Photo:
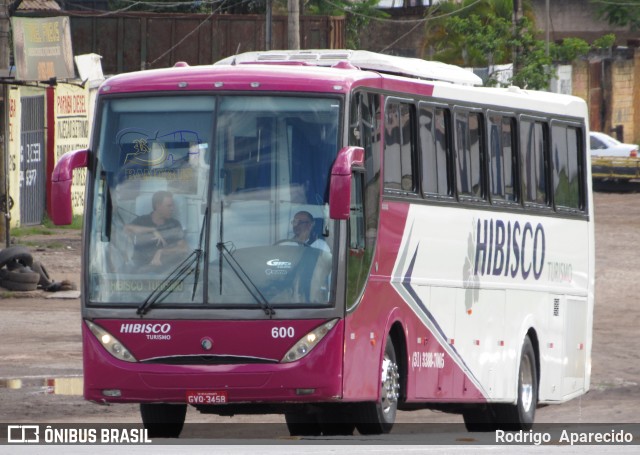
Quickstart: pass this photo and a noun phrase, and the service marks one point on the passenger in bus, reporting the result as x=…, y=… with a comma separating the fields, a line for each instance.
x=158, y=236
x=303, y=232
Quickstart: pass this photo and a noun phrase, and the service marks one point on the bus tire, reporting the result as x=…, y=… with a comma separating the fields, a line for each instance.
x=520, y=416
x=379, y=417
x=479, y=418
x=163, y=420
x=302, y=423
x=337, y=420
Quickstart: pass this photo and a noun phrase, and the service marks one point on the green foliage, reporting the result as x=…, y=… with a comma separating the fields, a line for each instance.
x=358, y=15
x=605, y=41
x=626, y=13
x=482, y=34
x=76, y=223
x=46, y=228
x=569, y=50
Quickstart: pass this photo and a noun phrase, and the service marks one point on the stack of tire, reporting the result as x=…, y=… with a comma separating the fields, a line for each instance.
x=19, y=272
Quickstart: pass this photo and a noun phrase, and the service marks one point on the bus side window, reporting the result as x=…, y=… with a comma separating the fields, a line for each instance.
x=533, y=150
x=399, y=147
x=468, y=147
x=365, y=131
x=434, y=145
x=566, y=155
x=502, y=159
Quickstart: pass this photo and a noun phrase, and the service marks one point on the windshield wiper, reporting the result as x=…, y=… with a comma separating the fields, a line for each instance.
x=246, y=280
x=172, y=280
x=178, y=274
x=199, y=253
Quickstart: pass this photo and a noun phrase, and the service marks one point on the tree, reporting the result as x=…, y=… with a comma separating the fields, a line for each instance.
x=481, y=33
x=358, y=15
x=626, y=13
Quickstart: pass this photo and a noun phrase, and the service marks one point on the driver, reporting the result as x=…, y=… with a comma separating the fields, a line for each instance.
x=302, y=225
x=159, y=236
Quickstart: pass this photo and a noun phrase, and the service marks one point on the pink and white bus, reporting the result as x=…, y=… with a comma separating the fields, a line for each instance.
x=335, y=236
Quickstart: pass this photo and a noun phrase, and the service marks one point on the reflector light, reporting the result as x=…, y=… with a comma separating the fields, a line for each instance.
x=305, y=391
x=112, y=393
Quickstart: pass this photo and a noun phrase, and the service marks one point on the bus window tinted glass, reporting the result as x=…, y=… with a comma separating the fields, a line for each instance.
x=565, y=157
x=501, y=169
x=398, y=149
x=435, y=150
x=533, y=145
x=468, y=139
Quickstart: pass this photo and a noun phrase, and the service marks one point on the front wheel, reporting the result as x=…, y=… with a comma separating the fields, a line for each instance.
x=379, y=417
x=163, y=420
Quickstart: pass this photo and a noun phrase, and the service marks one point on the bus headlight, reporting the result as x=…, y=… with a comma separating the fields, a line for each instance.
x=306, y=344
x=110, y=343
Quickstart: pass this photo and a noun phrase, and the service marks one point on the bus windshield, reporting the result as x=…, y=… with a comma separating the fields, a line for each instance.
x=212, y=201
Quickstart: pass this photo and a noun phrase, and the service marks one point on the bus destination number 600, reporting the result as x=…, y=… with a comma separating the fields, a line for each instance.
x=282, y=332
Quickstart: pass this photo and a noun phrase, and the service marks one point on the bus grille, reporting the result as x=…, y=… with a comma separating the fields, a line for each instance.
x=207, y=360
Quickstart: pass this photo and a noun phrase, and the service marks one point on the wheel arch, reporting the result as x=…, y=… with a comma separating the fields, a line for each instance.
x=533, y=337
x=397, y=335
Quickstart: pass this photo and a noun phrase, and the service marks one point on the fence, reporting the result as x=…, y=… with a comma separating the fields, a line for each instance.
x=134, y=41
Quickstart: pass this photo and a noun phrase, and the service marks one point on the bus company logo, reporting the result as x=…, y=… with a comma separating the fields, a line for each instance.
x=145, y=328
x=277, y=263
x=509, y=249
x=277, y=267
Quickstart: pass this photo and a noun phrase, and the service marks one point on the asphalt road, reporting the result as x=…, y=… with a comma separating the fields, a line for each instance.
x=41, y=365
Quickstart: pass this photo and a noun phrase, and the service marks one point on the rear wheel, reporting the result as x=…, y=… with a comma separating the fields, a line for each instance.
x=377, y=418
x=520, y=416
x=163, y=420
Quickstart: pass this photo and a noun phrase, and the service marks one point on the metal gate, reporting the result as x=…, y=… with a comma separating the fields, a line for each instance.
x=32, y=161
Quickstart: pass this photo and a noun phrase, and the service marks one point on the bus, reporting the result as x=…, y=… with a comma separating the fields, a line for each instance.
x=334, y=236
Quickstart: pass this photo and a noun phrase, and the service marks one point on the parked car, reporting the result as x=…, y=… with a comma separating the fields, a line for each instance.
x=604, y=145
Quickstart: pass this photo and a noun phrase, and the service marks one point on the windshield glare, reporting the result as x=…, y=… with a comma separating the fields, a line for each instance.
x=214, y=200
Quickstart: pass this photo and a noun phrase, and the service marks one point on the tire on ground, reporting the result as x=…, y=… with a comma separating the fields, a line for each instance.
x=18, y=253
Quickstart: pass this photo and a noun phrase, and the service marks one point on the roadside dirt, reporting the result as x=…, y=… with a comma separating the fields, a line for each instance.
x=41, y=337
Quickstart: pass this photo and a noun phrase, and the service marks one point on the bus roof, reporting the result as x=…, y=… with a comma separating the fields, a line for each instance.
x=337, y=71
x=314, y=70
x=365, y=60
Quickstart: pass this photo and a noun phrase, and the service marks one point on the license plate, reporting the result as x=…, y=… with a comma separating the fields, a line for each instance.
x=199, y=397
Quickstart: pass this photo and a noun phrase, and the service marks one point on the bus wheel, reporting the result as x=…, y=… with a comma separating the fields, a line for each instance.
x=301, y=423
x=479, y=418
x=377, y=418
x=337, y=421
x=519, y=416
x=163, y=420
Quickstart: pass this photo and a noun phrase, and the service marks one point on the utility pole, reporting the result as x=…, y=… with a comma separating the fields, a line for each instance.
x=5, y=53
x=268, y=25
x=517, y=15
x=293, y=24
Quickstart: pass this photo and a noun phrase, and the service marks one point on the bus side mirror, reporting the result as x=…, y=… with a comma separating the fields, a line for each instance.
x=61, y=179
x=348, y=159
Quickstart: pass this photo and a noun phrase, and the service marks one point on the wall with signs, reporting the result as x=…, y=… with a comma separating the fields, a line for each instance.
x=72, y=128
x=72, y=113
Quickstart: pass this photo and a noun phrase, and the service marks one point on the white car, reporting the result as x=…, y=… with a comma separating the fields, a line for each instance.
x=604, y=145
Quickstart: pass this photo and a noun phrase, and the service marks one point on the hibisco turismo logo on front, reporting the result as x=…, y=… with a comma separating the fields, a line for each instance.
x=152, y=331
